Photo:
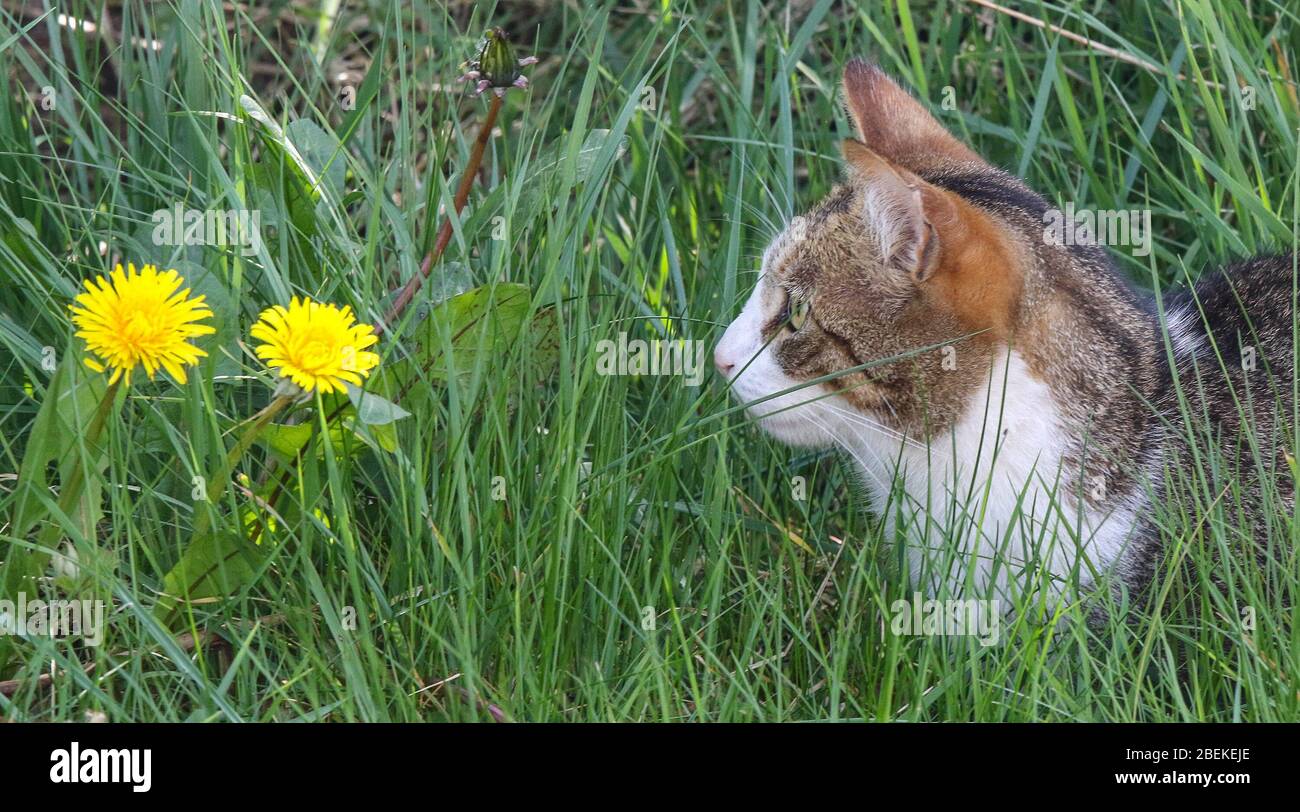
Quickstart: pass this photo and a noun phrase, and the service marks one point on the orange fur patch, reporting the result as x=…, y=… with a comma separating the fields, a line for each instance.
x=979, y=279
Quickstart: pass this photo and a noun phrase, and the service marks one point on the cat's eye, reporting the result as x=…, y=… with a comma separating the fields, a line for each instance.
x=799, y=312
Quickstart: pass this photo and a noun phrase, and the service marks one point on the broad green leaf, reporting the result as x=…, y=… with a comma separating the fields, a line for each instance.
x=472, y=331
x=287, y=441
x=214, y=565
x=67, y=409
x=272, y=133
x=306, y=163
x=543, y=339
x=372, y=409
x=539, y=188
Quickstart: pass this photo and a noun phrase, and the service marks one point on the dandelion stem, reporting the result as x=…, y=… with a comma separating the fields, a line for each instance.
x=412, y=286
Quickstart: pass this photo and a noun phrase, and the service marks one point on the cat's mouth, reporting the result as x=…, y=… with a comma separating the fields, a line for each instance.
x=811, y=415
x=793, y=428
x=800, y=417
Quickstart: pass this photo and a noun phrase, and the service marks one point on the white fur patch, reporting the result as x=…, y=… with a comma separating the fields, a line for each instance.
x=993, y=490
x=1183, y=336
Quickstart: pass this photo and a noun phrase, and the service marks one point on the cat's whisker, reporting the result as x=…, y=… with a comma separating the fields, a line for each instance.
x=861, y=419
x=885, y=399
x=852, y=451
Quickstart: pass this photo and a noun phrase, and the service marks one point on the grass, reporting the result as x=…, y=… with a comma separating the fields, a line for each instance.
x=650, y=559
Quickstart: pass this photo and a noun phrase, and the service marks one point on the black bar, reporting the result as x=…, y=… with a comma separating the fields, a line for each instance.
x=302, y=761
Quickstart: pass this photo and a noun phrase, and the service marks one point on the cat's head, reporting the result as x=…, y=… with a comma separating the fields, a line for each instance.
x=892, y=264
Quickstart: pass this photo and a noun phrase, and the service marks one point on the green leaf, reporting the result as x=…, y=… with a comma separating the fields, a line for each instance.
x=472, y=328
x=275, y=135
x=313, y=185
x=481, y=324
x=470, y=332
x=543, y=339
x=224, y=354
x=214, y=565
x=545, y=171
x=68, y=407
x=322, y=155
x=372, y=409
x=287, y=441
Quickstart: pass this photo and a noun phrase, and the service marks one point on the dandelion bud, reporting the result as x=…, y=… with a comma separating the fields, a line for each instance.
x=494, y=64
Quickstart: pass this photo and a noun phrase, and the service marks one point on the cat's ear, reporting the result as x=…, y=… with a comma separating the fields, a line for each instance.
x=906, y=214
x=895, y=125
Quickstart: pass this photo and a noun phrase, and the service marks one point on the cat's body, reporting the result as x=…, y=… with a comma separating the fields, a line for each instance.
x=1029, y=411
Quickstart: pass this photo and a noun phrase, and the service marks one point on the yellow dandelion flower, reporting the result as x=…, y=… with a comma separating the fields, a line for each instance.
x=316, y=346
x=139, y=318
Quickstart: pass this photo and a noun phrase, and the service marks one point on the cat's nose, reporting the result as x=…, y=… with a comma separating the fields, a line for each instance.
x=722, y=362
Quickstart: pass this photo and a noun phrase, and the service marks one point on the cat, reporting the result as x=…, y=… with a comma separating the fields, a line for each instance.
x=1012, y=404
